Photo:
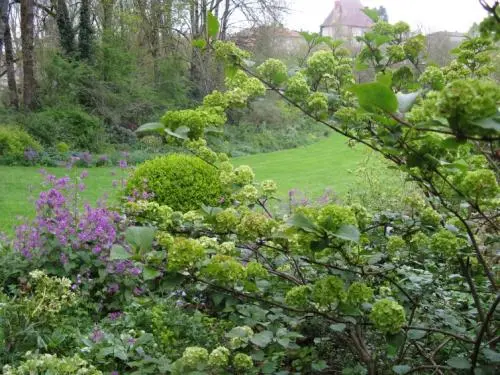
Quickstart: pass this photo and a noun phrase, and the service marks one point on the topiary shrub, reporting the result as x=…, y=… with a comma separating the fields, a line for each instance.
x=180, y=181
x=14, y=143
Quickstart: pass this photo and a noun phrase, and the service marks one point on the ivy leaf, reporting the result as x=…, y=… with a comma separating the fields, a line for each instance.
x=401, y=369
x=459, y=362
x=374, y=96
x=262, y=339
x=151, y=127
x=140, y=237
x=181, y=132
x=348, y=232
x=213, y=25
x=372, y=14
x=119, y=253
x=150, y=273
x=199, y=43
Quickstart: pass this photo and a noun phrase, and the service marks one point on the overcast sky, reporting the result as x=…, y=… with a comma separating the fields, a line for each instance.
x=432, y=15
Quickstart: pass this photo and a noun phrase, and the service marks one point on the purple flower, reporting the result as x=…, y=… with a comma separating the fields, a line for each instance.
x=123, y=164
x=30, y=154
x=135, y=271
x=115, y=315
x=113, y=288
x=97, y=335
x=131, y=341
x=87, y=158
x=115, y=373
x=138, y=291
x=64, y=259
x=84, y=174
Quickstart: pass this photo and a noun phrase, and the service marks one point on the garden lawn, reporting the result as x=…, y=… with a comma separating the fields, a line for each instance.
x=20, y=185
x=312, y=169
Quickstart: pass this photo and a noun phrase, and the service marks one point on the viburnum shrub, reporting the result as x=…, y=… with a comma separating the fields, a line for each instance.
x=411, y=291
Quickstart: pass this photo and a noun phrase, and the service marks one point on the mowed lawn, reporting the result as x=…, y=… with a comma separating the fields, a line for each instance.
x=327, y=164
x=312, y=169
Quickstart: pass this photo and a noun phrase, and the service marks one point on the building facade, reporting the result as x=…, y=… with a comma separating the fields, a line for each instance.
x=346, y=20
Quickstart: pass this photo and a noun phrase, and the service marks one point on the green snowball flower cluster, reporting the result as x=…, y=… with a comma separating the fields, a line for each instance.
x=197, y=120
x=243, y=175
x=333, y=216
x=184, y=254
x=358, y=293
x=430, y=217
x=242, y=362
x=219, y=357
x=328, y=291
x=273, y=71
x=413, y=47
x=256, y=270
x=51, y=364
x=227, y=220
x=395, y=244
x=247, y=194
x=433, y=76
x=150, y=212
x=269, y=187
x=240, y=336
x=229, y=53
x=396, y=53
x=445, y=243
x=317, y=105
x=225, y=269
x=388, y=316
x=255, y=225
x=298, y=296
x=480, y=184
x=194, y=356
x=297, y=88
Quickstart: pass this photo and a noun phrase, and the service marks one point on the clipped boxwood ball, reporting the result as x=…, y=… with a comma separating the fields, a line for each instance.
x=180, y=181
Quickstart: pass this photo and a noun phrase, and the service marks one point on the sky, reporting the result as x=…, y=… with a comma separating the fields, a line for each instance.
x=427, y=15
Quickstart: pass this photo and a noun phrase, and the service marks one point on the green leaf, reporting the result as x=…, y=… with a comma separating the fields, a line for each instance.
x=119, y=253
x=372, y=13
x=152, y=127
x=150, y=273
x=262, y=339
x=491, y=355
x=213, y=25
x=199, y=43
x=459, y=363
x=339, y=327
x=490, y=123
x=406, y=101
x=374, y=96
x=180, y=132
x=415, y=334
x=385, y=78
x=319, y=365
x=302, y=222
x=401, y=369
x=348, y=232
x=140, y=237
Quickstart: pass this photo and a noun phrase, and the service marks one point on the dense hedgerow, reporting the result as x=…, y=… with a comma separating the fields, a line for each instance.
x=15, y=144
x=182, y=182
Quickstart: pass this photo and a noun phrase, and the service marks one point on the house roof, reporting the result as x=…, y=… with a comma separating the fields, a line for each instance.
x=348, y=13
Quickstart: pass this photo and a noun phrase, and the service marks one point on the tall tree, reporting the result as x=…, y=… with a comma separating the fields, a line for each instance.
x=85, y=32
x=27, y=42
x=65, y=27
x=11, y=71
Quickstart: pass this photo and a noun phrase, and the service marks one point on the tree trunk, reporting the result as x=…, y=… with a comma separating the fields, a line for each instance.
x=27, y=42
x=85, y=34
x=4, y=21
x=11, y=71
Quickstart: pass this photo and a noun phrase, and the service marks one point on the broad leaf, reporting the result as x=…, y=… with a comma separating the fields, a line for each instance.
x=385, y=78
x=459, y=363
x=150, y=273
x=372, y=13
x=415, y=334
x=262, y=339
x=374, y=96
x=302, y=222
x=213, y=25
x=339, y=327
x=181, y=132
x=119, y=253
x=348, y=232
x=140, y=237
x=491, y=355
x=199, y=43
x=152, y=127
x=406, y=101
x=401, y=369
x=490, y=123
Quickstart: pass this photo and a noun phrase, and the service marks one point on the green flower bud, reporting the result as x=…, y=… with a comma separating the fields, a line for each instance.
x=388, y=316
x=242, y=362
x=328, y=291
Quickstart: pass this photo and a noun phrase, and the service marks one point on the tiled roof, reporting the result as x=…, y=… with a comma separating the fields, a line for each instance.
x=348, y=13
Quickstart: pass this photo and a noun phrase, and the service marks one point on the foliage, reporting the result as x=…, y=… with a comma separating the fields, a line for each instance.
x=180, y=181
x=17, y=146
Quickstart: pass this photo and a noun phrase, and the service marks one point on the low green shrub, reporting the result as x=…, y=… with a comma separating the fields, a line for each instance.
x=77, y=128
x=14, y=143
x=180, y=181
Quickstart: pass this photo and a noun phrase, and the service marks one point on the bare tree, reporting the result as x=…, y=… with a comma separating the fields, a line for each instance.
x=27, y=42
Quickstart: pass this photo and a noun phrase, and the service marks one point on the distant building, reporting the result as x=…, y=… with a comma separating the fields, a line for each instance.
x=440, y=43
x=346, y=20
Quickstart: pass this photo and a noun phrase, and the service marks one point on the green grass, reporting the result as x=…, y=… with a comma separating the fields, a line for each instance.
x=311, y=169
x=20, y=186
